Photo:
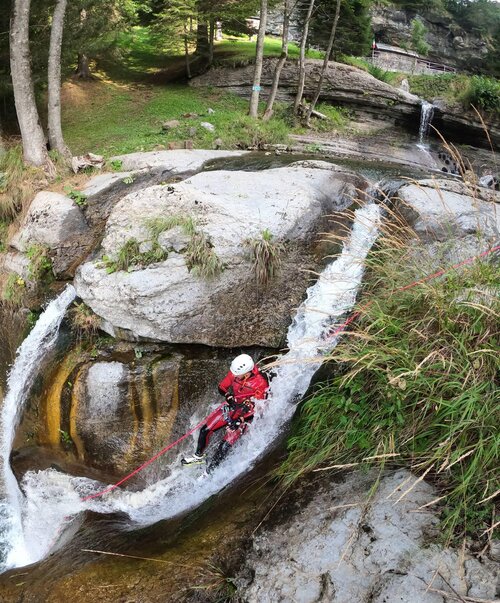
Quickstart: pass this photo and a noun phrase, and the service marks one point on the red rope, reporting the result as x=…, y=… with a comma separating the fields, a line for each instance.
x=152, y=459
x=429, y=277
x=339, y=329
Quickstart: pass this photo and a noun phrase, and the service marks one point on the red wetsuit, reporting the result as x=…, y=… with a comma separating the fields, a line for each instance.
x=254, y=386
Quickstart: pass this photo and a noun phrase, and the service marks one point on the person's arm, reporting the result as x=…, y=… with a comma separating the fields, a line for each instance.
x=225, y=384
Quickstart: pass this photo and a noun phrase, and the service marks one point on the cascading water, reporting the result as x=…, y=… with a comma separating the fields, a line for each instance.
x=426, y=115
x=52, y=498
x=29, y=357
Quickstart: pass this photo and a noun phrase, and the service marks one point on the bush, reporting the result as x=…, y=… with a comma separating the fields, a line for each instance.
x=483, y=93
x=419, y=384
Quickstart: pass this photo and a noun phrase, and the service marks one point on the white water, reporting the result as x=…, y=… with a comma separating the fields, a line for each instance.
x=426, y=115
x=29, y=357
x=52, y=498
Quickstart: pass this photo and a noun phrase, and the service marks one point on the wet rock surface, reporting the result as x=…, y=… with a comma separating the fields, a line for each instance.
x=347, y=545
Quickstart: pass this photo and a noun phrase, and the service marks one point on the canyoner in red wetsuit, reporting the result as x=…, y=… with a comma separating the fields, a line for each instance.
x=243, y=384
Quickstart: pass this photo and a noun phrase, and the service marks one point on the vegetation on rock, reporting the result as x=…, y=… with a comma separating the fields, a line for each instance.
x=417, y=384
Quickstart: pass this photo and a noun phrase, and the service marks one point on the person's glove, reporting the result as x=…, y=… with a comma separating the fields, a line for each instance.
x=229, y=398
x=248, y=405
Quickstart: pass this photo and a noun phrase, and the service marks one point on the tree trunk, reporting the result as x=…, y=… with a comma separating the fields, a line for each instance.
x=211, y=38
x=56, y=140
x=325, y=63
x=186, y=52
x=302, y=58
x=259, y=56
x=281, y=61
x=33, y=138
x=83, y=69
x=202, y=41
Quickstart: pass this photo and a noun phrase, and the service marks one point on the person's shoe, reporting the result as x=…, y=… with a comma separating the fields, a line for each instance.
x=196, y=459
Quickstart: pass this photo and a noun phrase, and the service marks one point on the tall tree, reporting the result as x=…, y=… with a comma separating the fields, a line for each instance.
x=259, y=57
x=302, y=58
x=56, y=139
x=287, y=9
x=353, y=35
x=34, y=148
x=324, y=67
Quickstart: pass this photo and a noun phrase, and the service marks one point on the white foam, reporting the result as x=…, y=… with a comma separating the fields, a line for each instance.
x=29, y=356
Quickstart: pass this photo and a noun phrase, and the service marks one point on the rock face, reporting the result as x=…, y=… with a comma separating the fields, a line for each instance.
x=104, y=416
x=440, y=209
x=449, y=43
x=345, y=546
x=344, y=85
x=364, y=95
x=166, y=301
x=51, y=219
x=55, y=222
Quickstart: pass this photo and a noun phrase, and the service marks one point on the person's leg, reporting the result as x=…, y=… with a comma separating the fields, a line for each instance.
x=215, y=421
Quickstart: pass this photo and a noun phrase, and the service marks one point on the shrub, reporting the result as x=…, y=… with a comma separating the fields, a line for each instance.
x=483, y=93
x=78, y=197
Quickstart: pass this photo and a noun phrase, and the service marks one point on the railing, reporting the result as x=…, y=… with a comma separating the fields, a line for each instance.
x=419, y=65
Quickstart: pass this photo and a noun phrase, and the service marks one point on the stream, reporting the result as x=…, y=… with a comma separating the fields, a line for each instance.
x=34, y=519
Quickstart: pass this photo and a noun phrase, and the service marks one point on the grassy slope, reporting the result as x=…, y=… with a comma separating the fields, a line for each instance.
x=418, y=384
x=122, y=110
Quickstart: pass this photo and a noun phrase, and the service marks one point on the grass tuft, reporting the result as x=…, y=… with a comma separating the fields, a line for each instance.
x=201, y=258
x=266, y=257
x=84, y=322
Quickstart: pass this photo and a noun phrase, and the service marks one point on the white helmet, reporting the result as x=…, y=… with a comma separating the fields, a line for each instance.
x=241, y=364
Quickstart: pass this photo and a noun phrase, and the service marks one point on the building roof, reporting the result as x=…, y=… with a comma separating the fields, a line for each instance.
x=395, y=49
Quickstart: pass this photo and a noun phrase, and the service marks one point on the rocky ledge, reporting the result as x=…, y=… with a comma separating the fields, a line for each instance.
x=349, y=544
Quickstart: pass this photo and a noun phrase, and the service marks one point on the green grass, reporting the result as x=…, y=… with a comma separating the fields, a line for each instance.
x=123, y=121
x=419, y=379
x=3, y=235
x=449, y=86
x=241, y=49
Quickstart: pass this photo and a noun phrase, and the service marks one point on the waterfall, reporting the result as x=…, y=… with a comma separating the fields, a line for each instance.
x=52, y=498
x=426, y=116
x=21, y=377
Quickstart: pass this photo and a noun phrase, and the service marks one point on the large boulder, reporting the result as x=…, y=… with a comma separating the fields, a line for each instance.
x=168, y=302
x=439, y=209
x=51, y=220
x=56, y=223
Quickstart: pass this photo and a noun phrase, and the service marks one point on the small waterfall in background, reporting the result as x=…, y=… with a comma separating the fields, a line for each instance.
x=29, y=356
x=426, y=115
x=53, y=498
